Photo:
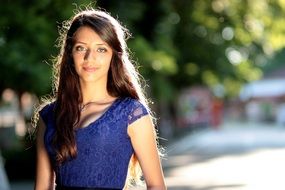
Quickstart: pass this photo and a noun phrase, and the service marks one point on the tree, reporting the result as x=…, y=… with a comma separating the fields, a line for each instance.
x=28, y=35
x=176, y=43
x=227, y=42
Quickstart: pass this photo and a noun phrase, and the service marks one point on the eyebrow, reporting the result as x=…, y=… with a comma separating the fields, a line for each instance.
x=86, y=43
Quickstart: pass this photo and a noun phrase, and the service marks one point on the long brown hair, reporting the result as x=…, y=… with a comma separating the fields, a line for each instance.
x=123, y=80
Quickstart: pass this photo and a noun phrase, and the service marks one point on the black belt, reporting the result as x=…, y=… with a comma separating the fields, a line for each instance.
x=58, y=187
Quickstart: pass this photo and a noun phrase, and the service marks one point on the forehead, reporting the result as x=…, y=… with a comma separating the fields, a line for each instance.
x=86, y=34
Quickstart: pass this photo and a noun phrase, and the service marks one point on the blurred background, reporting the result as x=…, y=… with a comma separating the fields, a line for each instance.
x=214, y=70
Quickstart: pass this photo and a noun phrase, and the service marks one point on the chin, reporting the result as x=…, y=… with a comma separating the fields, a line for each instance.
x=93, y=79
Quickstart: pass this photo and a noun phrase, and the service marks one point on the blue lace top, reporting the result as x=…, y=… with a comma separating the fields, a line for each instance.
x=104, y=148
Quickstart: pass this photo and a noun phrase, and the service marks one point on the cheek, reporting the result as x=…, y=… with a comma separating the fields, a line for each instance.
x=76, y=65
x=104, y=60
x=109, y=62
x=76, y=58
x=77, y=68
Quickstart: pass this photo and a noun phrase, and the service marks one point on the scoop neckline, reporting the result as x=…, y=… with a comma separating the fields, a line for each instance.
x=101, y=117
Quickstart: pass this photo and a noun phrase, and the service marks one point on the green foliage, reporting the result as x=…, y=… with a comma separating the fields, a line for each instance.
x=226, y=41
x=28, y=32
x=176, y=43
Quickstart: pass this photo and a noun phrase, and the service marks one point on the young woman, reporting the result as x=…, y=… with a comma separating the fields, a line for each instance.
x=99, y=127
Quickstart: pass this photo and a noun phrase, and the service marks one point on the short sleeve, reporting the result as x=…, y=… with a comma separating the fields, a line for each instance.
x=46, y=112
x=138, y=110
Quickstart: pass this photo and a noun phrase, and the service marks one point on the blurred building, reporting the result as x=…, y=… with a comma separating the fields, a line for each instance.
x=265, y=100
x=198, y=107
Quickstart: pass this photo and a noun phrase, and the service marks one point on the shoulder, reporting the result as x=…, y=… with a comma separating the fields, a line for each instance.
x=48, y=107
x=132, y=102
x=135, y=109
x=46, y=111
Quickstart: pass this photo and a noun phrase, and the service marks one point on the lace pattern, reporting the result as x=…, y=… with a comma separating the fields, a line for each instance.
x=104, y=147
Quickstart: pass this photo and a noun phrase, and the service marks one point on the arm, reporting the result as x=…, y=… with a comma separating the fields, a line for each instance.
x=143, y=139
x=44, y=172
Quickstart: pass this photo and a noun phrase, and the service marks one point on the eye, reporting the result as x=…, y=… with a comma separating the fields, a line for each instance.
x=80, y=48
x=101, y=50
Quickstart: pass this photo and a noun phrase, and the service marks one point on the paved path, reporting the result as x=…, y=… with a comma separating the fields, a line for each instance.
x=239, y=156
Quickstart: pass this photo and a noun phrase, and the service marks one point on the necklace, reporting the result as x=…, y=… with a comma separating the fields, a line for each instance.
x=84, y=106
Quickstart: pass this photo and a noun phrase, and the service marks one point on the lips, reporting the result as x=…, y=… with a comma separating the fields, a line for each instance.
x=90, y=69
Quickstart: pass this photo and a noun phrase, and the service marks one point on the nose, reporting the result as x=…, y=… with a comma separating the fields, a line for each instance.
x=89, y=55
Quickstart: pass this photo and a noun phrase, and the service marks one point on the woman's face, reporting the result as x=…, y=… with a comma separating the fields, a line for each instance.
x=91, y=55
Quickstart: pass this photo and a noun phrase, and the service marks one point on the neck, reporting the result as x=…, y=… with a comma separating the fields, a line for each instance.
x=94, y=93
